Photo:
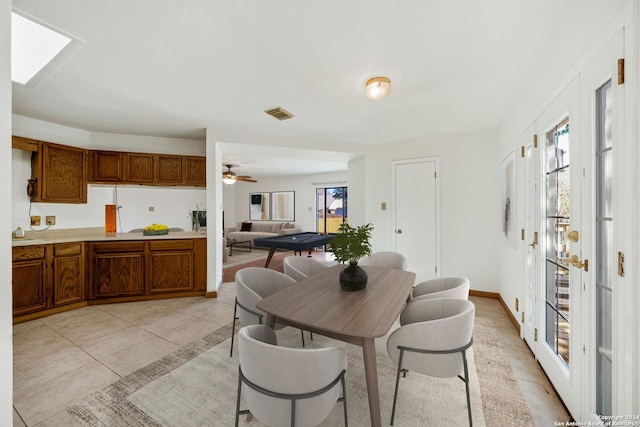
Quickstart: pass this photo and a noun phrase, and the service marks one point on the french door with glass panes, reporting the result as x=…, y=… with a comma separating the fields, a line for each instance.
x=571, y=284
x=559, y=307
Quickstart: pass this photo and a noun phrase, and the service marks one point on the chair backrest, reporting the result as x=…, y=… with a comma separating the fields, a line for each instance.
x=254, y=284
x=433, y=324
x=444, y=287
x=287, y=371
x=299, y=267
x=385, y=259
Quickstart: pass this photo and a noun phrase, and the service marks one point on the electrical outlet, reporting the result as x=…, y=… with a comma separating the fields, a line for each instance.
x=35, y=220
x=50, y=220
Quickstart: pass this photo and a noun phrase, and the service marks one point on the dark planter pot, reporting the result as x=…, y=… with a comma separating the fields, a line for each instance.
x=353, y=278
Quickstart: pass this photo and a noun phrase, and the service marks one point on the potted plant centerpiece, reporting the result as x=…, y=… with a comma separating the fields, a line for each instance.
x=351, y=244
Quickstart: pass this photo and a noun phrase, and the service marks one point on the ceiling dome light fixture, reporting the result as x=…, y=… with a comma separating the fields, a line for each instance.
x=378, y=87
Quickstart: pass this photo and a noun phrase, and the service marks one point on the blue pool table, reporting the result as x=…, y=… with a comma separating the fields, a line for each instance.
x=296, y=242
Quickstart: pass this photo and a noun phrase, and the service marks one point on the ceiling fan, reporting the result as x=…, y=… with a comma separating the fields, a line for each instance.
x=229, y=177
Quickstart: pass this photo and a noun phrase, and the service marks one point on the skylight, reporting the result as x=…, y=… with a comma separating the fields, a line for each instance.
x=33, y=46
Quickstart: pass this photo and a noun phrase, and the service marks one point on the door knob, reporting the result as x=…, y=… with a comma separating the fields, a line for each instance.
x=399, y=231
x=573, y=236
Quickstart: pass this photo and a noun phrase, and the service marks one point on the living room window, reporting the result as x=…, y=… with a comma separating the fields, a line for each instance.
x=331, y=208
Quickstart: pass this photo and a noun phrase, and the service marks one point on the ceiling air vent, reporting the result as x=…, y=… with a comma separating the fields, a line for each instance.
x=279, y=113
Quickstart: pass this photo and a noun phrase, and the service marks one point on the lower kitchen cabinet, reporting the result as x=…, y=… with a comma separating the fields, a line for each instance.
x=68, y=273
x=146, y=267
x=117, y=269
x=29, y=280
x=47, y=276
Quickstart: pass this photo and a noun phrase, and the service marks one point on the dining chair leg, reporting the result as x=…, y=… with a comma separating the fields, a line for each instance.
x=395, y=393
x=233, y=328
x=466, y=383
x=344, y=402
x=238, y=399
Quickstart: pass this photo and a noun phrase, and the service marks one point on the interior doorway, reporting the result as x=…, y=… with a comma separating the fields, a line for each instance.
x=415, y=215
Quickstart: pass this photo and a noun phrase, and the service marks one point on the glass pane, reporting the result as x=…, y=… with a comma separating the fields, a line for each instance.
x=558, y=211
x=552, y=194
x=604, y=261
x=605, y=264
x=562, y=283
x=564, y=208
x=551, y=322
x=320, y=210
x=563, y=339
x=551, y=288
x=605, y=171
x=562, y=143
x=550, y=154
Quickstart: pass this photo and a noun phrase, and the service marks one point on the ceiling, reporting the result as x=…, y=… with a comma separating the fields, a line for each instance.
x=174, y=69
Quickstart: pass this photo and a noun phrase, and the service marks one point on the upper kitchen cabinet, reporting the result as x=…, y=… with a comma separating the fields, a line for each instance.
x=58, y=174
x=195, y=171
x=138, y=168
x=105, y=166
x=168, y=169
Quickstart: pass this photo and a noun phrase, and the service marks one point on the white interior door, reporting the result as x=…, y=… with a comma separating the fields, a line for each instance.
x=603, y=104
x=531, y=238
x=560, y=341
x=416, y=215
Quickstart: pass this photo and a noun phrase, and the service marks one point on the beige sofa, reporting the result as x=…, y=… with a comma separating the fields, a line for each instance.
x=260, y=229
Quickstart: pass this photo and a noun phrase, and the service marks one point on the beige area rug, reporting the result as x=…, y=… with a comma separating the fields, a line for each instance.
x=197, y=385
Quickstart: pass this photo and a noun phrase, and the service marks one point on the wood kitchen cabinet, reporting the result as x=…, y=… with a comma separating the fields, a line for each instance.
x=168, y=169
x=138, y=269
x=29, y=279
x=105, y=166
x=59, y=174
x=195, y=171
x=138, y=168
x=170, y=265
x=116, y=269
x=68, y=273
x=47, y=276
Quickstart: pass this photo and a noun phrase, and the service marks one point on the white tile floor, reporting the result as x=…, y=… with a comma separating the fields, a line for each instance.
x=62, y=358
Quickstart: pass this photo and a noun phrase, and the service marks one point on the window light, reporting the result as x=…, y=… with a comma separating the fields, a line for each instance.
x=33, y=46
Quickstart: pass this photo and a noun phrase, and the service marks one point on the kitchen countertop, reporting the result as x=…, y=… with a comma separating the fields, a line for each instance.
x=95, y=234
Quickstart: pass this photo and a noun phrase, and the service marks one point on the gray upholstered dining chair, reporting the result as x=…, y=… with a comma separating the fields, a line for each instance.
x=252, y=285
x=443, y=287
x=385, y=259
x=299, y=267
x=432, y=340
x=284, y=386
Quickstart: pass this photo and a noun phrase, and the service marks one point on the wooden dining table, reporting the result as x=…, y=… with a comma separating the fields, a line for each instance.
x=318, y=304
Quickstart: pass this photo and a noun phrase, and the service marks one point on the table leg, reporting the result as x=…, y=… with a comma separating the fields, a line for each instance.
x=271, y=252
x=371, y=374
x=271, y=321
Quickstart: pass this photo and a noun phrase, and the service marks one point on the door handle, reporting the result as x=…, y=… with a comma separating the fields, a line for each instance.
x=575, y=261
x=399, y=231
x=535, y=240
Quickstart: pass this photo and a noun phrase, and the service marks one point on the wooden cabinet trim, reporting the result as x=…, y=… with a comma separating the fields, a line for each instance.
x=27, y=252
x=26, y=144
x=128, y=246
x=170, y=245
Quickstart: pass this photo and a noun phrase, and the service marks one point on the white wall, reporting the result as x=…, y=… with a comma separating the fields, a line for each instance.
x=469, y=202
x=6, y=329
x=170, y=204
x=305, y=196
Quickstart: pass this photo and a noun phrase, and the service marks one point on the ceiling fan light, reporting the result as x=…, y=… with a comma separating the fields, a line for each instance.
x=378, y=87
x=229, y=179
